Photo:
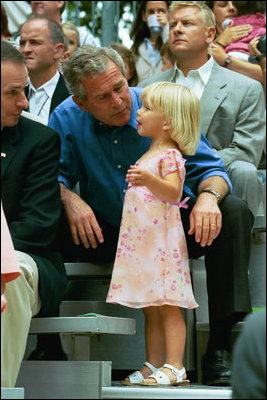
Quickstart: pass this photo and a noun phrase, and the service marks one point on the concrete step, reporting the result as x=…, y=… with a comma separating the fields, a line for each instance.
x=64, y=379
x=12, y=393
x=194, y=391
x=97, y=324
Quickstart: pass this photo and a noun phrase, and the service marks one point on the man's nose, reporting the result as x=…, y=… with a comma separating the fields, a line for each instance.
x=178, y=26
x=23, y=101
x=25, y=47
x=116, y=99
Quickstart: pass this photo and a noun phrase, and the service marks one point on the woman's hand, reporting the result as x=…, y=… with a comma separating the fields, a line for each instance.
x=218, y=53
x=162, y=19
x=233, y=33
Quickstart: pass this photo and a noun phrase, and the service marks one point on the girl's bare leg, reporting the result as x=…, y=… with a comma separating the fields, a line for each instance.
x=174, y=329
x=154, y=340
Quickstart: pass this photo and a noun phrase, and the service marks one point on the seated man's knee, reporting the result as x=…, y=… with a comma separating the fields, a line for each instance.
x=234, y=207
x=243, y=172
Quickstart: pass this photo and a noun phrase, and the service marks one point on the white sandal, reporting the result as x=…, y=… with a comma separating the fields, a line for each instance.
x=136, y=377
x=163, y=380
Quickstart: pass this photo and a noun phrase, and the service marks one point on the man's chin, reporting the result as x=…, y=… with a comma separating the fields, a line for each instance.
x=120, y=120
x=11, y=122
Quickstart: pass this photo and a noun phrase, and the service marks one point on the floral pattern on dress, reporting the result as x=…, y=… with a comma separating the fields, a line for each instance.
x=151, y=266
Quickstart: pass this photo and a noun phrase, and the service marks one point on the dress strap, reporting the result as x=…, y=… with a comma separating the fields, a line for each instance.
x=183, y=204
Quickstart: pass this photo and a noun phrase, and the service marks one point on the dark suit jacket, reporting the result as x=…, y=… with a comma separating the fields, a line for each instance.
x=60, y=94
x=31, y=202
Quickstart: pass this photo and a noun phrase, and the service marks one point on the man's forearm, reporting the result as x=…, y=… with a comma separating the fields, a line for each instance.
x=215, y=183
x=64, y=193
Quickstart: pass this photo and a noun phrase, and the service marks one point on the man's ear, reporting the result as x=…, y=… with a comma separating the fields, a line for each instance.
x=58, y=51
x=210, y=34
x=80, y=103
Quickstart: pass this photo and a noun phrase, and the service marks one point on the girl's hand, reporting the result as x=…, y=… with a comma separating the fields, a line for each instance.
x=233, y=33
x=137, y=177
x=162, y=19
x=252, y=47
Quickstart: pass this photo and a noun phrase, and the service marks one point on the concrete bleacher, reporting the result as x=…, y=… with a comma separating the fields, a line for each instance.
x=12, y=393
x=79, y=377
x=98, y=344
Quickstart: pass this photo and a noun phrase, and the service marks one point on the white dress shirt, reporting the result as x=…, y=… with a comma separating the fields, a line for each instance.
x=40, y=99
x=197, y=79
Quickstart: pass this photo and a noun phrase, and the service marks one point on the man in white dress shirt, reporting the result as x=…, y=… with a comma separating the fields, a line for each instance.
x=41, y=41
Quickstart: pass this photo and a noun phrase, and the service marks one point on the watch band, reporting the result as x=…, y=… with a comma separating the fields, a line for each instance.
x=214, y=193
x=227, y=61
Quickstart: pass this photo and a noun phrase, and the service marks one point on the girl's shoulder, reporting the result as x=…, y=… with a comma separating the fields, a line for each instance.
x=167, y=153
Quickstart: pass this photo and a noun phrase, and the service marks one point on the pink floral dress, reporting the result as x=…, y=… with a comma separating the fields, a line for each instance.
x=151, y=266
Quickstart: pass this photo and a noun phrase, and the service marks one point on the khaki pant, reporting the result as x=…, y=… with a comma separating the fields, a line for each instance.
x=23, y=303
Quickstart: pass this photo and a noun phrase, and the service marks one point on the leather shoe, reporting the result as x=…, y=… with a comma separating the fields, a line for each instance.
x=216, y=368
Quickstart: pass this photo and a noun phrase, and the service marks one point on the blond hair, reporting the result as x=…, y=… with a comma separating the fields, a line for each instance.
x=68, y=26
x=181, y=107
x=205, y=12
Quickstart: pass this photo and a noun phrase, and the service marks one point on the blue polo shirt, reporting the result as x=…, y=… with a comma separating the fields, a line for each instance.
x=98, y=157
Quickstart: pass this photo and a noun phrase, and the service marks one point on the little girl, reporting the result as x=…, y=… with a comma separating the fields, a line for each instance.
x=151, y=269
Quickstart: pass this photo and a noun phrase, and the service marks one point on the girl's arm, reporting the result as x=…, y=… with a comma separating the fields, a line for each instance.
x=166, y=189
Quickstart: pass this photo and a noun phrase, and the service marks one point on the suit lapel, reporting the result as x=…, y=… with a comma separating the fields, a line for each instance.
x=213, y=95
x=59, y=95
x=26, y=91
x=9, y=137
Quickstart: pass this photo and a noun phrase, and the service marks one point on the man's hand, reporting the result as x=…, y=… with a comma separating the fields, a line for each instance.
x=82, y=222
x=205, y=219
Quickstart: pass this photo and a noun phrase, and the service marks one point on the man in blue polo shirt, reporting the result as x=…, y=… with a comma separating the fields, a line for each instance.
x=99, y=142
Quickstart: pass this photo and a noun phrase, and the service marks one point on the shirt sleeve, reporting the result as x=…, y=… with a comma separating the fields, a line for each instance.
x=171, y=161
x=204, y=164
x=68, y=171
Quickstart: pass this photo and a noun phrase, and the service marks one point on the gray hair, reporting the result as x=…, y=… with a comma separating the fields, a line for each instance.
x=11, y=54
x=87, y=61
x=206, y=14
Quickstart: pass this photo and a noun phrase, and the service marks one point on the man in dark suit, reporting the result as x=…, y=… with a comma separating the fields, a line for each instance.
x=30, y=195
x=41, y=41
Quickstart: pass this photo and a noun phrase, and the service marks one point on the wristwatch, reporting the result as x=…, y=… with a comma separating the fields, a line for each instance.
x=227, y=61
x=214, y=193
